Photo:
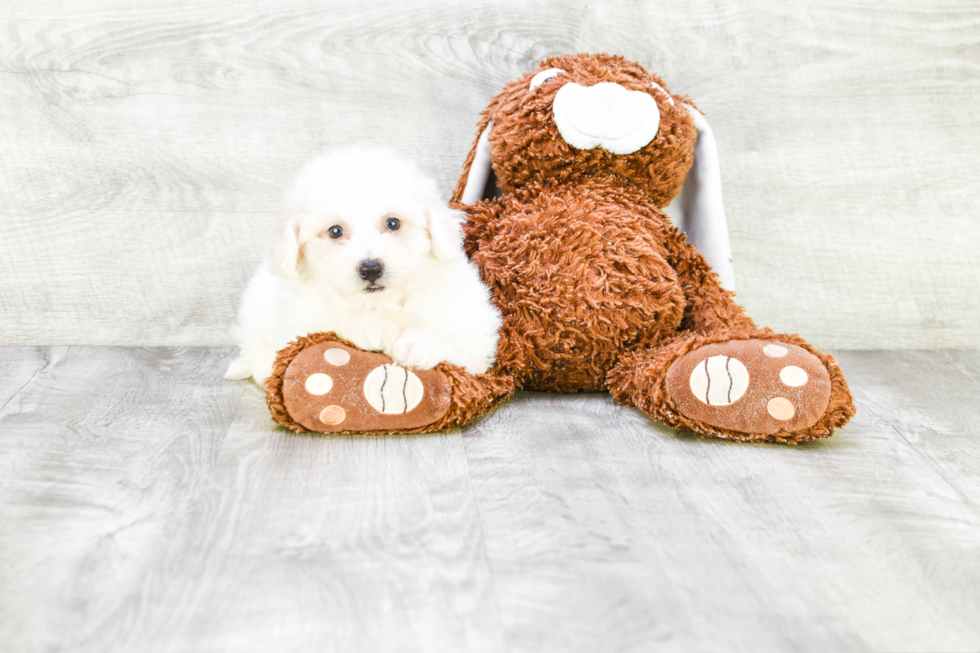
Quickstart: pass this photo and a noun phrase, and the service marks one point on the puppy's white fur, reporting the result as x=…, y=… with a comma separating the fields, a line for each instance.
x=433, y=306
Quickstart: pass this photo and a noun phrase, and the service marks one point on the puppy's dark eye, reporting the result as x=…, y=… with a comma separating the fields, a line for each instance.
x=392, y=224
x=335, y=231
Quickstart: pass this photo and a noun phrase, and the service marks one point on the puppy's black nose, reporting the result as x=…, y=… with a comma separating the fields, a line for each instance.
x=371, y=270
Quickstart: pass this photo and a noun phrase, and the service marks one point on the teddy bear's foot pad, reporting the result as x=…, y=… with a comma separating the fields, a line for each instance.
x=750, y=386
x=330, y=387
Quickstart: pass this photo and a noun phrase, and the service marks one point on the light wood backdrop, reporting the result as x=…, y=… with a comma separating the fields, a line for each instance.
x=144, y=145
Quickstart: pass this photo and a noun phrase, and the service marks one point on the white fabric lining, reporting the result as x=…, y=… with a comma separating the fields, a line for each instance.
x=661, y=89
x=476, y=182
x=698, y=210
x=544, y=76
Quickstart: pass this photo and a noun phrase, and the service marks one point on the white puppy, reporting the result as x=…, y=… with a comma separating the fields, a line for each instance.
x=366, y=248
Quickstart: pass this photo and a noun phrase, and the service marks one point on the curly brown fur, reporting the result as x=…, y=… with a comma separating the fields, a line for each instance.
x=470, y=395
x=597, y=287
x=581, y=275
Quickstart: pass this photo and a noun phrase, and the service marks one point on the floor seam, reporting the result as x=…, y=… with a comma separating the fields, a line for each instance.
x=21, y=389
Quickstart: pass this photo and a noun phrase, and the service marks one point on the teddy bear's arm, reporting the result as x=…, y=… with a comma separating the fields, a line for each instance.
x=710, y=308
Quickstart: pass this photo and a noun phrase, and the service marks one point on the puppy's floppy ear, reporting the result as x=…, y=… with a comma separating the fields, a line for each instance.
x=445, y=231
x=698, y=210
x=284, y=253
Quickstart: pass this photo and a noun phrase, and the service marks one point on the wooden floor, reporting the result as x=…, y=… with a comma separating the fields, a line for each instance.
x=149, y=505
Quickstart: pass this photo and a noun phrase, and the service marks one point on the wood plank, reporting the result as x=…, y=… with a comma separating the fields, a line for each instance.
x=332, y=543
x=608, y=532
x=930, y=400
x=146, y=145
x=136, y=520
x=101, y=455
x=18, y=368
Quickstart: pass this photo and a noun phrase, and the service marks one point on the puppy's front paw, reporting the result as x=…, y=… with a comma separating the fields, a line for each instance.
x=372, y=337
x=419, y=349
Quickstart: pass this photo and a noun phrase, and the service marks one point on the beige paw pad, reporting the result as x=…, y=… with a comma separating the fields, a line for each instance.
x=333, y=415
x=318, y=384
x=336, y=356
x=393, y=390
x=775, y=351
x=793, y=376
x=719, y=380
x=780, y=408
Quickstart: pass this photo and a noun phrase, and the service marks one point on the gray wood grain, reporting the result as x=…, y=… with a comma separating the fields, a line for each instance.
x=149, y=505
x=929, y=399
x=101, y=454
x=142, y=513
x=609, y=532
x=18, y=367
x=145, y=145
x=330, y=544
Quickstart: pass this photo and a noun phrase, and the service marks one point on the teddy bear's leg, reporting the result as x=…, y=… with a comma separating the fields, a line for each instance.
x=750, y=384
x=325, y=384
x=723, y=376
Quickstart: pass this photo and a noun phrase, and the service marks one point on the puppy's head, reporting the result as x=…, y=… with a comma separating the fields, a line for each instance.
x=363, y=220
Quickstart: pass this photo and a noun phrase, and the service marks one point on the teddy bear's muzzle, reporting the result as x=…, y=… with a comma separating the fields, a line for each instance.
x=605, y=115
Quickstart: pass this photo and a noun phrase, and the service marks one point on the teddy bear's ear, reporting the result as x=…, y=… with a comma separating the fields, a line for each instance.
x=698, y=210
x=477, y=181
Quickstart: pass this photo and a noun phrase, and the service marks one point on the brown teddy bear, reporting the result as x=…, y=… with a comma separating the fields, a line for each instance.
x=568, y=190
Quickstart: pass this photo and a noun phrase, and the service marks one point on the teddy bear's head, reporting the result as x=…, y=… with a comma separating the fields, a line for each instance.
x=602, y=116
x=590, y=114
